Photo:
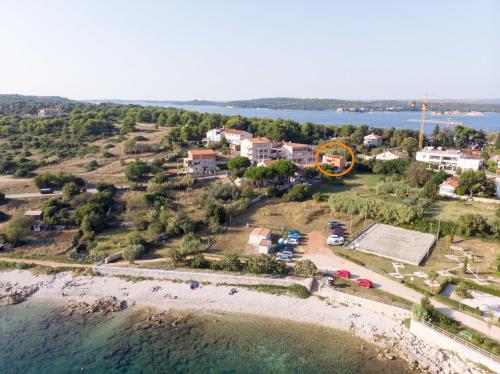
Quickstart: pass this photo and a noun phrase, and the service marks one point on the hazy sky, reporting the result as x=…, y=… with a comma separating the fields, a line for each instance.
x=248, y=49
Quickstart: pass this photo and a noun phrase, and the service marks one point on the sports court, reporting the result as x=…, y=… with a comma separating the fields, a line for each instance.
x=395, y=243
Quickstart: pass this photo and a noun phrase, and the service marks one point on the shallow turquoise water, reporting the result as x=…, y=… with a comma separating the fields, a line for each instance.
x=38, y=339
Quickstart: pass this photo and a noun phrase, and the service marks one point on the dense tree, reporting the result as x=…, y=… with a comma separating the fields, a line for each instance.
x=410, y=146
x=476, y=183
x=138, y=170
x=17, y=230
x=417, y=174
x=70, y=190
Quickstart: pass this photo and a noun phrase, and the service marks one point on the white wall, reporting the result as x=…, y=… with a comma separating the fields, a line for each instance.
x=440, y=340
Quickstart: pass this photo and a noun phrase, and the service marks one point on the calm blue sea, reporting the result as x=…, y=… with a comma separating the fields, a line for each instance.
x=38, y=339
x=489, y=122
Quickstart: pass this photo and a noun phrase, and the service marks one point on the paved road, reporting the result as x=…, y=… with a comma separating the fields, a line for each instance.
x=28, y=195
x=333, y=262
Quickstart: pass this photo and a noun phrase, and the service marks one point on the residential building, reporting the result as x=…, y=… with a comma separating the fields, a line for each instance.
x=213, y=136
x=372, y=140
x=335, y=161
x=449, y=187
x=265, y=246
x=201, y=161
x=258, y=234
x=389, y=155
x=256, y=149
x=35, y=214
x=232, y=136
x=49, y=112
x=297, y=153
x=448, y=158
x=473, y=162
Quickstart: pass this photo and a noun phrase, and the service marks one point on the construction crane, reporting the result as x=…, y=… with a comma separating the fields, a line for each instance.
x=422, y=124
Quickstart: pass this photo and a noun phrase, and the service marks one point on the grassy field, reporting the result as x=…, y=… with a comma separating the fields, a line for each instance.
x=450, y=209
x=362, y=184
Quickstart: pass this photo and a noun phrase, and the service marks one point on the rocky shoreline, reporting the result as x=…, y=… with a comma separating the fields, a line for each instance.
x=106, y=295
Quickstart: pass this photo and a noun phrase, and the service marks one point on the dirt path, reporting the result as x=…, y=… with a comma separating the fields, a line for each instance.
x=52, y=264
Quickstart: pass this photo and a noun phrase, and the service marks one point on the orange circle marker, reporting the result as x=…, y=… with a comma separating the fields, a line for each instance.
x=329, y=144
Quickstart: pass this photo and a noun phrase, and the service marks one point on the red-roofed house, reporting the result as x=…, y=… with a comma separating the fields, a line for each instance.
x=372, y=140
x=449, y=186
x=201, y=161
x=258, y=234
x=335, y=161
x=297, y=153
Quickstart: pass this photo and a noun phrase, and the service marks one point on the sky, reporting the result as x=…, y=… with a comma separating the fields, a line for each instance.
x=225, y=50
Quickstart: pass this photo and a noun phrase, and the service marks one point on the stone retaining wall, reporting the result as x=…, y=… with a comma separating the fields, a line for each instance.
x=214, y=278
x=444, y=341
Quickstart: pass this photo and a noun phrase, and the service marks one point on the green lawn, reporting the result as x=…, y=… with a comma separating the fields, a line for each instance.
x=451, y=209
x=362, y=184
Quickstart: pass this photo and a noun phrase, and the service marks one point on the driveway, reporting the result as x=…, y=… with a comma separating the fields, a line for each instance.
x=319, y=253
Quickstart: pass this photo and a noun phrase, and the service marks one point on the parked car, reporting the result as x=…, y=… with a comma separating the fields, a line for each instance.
x=333, y=224
x=337, y=236
x=346, y=274
x=292, y=241
x=337, y=230
x=287, y=253
x=366, y=283
x=294, y=236
x=334, y=240
x=46, y=191
x=284, y=259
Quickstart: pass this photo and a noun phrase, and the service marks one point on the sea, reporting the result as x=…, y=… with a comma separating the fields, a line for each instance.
x=489, y=122
x=41, y=338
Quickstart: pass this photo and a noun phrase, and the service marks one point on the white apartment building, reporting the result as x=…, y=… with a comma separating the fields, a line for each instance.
x=201, y=161
x=256, y=149
x=373, y=140
x=49, y=112
x=297, y=153
x=232, y=136
x=448, y=158
x=213, y=136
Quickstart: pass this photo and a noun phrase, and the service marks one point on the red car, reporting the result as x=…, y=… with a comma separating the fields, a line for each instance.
x=364, y=282
x=343, y=274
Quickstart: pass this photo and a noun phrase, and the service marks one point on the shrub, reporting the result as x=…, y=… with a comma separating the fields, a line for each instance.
x=49, y=180
x=463, y=290
x=190, y=242
x=16, y=231
x=199, y=262
x=299, y=192
x=133, y=251
x=305, y=268
x=135, y=238
x=70, y=190
x=470, y=225
x=265, y=264
x=231, y=262
x=299, y=290
x=105, y=187
x=177, y=255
